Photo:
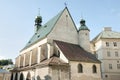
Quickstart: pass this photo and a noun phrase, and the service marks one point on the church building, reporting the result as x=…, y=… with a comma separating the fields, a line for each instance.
x=57, y=51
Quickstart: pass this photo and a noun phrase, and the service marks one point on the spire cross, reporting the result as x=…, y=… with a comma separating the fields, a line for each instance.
x=81, y=16
x=39, y=11
x=65, y=4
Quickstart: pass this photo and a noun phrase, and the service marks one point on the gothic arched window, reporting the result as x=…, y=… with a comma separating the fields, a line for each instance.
x=80, y=68
x=34, y=56
x=44, y=52
x=94, y=69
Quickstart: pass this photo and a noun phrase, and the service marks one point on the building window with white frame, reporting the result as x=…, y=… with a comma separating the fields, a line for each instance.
x=118, y=66
x=110, y=66
x=118, y=61
x=108, y=53
x=107, y=44
x=115, y=44
x=116, y=54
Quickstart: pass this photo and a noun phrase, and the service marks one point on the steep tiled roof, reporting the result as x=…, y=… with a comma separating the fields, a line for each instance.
x=44, y=30
x=53, y=61
x=75, y=52
x=107, y=35
x=48, y=62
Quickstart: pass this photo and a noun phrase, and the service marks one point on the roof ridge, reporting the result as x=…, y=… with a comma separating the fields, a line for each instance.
x=71, y=18
x=106, y=34
x=96, y=38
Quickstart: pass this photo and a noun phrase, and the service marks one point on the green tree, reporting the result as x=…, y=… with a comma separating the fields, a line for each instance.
x=6, y=62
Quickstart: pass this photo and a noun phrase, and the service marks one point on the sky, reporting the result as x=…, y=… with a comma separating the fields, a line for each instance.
x=17, y=19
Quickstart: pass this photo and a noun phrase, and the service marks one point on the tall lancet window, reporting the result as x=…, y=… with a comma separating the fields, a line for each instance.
x=80, y=68
x=34, y=56
x=44, y=52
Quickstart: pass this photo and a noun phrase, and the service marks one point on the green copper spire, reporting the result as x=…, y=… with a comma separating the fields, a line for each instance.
x=38, y=21
x=83, y=26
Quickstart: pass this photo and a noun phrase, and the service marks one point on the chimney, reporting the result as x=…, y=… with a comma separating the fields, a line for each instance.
x=107, y=29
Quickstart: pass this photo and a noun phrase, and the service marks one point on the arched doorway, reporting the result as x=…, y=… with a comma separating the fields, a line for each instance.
x=16, y=76
x=28, y=76
x=21, y=76
x=11, y=78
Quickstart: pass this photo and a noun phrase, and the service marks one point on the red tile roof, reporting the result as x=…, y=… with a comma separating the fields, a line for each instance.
x=75, y=52
x=53, y=61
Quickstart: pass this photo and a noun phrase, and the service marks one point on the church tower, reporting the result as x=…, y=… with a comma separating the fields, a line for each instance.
x=84, y=40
